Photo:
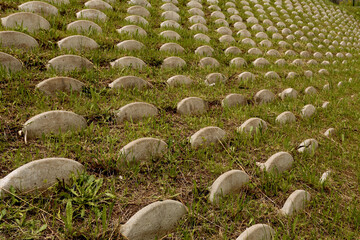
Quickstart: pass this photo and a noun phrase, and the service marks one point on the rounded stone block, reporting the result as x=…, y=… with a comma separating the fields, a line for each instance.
x=130, y=45
x=245, y=76
x=261, y=62
x=128, y=62
x=98, y=4
x=172, y=47
x=204, y=51
x=69, y=63
x=209, y=62
x=192, y=105
x=17, y=40
x=285, y=117
x=308, y=146
x=288, y=93
x=228, y=183
x=213, y=78
x=92, y=14
x=178, y=80
x=31, y=21
x=132, y=30
x=39, y=175
x=277, y=163
x=39, y=7
x=202, y=37
x=63, y=84
x=233, y=100
x=136, y=111
x=173, y=62
x=138, y=10
x=252, y=125
x=264, y=96
x=207, y=136
x=295, y=202
x=257, y=232
x=307, y=111
x=143, y=149
x=10, y=63
x=77, y=42
x=170, y=35
x=81, y=26
x=129, y=82
x=171, y=15
x=154, y=221
x=52, y=122
x=329, y=132
x=136, y=19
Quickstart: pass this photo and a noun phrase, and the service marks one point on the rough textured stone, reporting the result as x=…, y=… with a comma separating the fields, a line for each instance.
x=285, y=117
x=199, y=27
x=172, y=47
x=207, y=136
x=69, y=63
x=92, y=14
x=136, y=111
x=132, y=30
x=169, y=7
x=239, y=25
x=209, y=62
x=252, y=125
x=213, y=78
x=245, y=76
x=10, y=63
x=237, y=62
x=143, y=149
x=130, y=45
x=272, y=75
x=255, y=51
x=277, y=163
x=31, y=21
x=325, y=176
x=257, y=232
x=202, y=37
x=138, y=10
x=39, y=175
x=129, y=82
x=77, y=42
x=197, y=19
x=98, y=4
x=52, y=122
x=204, y=50
x=136, y=19
x=295, y=202
x=173, y=62
x=170, y=24
x=248, y=41
x=308, y=110
x=20, y=40
x=308, y=74
x=64, y=84
x=232, y=50
x=226, y=39
x=308, y=146
x=264, y=96
x=227, y=183
x=196, y=11
x=171, y=15
x=170, y=35
x=143, y=3
x=154, y=221
x=39, y=7
x=82, y=26
x=261, y=62
x=233, y=100
x=132, y=62
x=192, y=105
x=288, y=93
x=178, y=80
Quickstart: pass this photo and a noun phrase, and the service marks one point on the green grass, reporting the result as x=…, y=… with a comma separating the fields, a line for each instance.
x=95, y=204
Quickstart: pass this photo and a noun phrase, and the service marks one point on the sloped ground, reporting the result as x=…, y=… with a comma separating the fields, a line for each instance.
x=111, y=192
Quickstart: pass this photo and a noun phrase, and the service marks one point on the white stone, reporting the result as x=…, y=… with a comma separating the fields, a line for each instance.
x=199, y=27
x=10, y=63
x=217, y=14
x=98, y=4
x=92, y=14
x=310, y=90
x=308, y=110
x=17, y=40
x=197, y=19
x=265, y=43
x=252, y=125
x=81, y=26
x=202, y=37
x=129, y=82
x=272, y=75
x=169, y=7
x=239, y=25
x=295, y=202
x=325, y=176
x=237, y=62
x=329, y=132
x=39, y=7
x=128, y=61
x=132, y=30
x=138, y=10
x=192, y=105
x=228, y=183
x=226, y=39
x=257, y=232
x=143, y=3
x=154, y=221
x=244, y=33
x=222, y=22
x=209, y=62
x=207, y=136
x=288, y=93
x=64, y=84
x=170, y=24
x=224, y=31
x=196, y=11
x=213, y=78
x=39, y=175
x=30, y=21
x=277, y=163
x=136, y=19
x=204, y=50
x=172, y=47
x=136, y=111
x=52, y=122
x=69, y=63
x=173, y=62
x=248, y=41
x=178, y=80
x=171, y=15
x=308, y=146
x=130, y=45
x=143, y=149
x=170, y=35
x=254, y=51
x=77, y=42
x=245, y=76
x=264, y=96
x=285, y=117
x=233, y=100
x=261, y=62
x=232, y=50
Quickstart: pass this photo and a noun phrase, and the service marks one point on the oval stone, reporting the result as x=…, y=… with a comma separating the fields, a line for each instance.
x=295, y=202
x=251, y=125
x=136, y=111
x=192, y=105
x=132, y=30
x=39, y=7
x=169, y=7
x=257, y=232
x=138, y=10
x=207, y=136
x=63, y=84
x=213, y=78
x=10, y=63
x=308, y=110
x=172, y=47
x=227, y=183
x=202, y=37
x=170, y=35
x=30, y=21
x=130, y=45
x=173, y=62
x=204, y=50
x=272, y=75
x=232, y=50
x=170, y=24
x=143, y=149
x=308, y=146
x=310, y=90
x=92, y=14
x=39, y=175
x=179, y=80
x=209, y=62
x=285, y=117
x=264, y=96
x=154, y=221
x=17, y=40
x=52, y=122
x=81, y=26
x=261, y=62
x=128, y=61
x=77, y=42
x=288, y=93
x=136, y=19
x=277, y=163
x=245, y=76
x=171, y=15
x=199, y=27
x=233, y=100
x=129, y=82
x=98, y=4
x=69, y=63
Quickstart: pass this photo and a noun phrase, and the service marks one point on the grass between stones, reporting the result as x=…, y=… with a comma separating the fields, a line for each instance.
x=95, y=204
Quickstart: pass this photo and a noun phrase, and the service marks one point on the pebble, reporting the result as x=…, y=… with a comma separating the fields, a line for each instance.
x=64, y=84
x=308, y=146
x=136, y=111
x=207, y=136
x=264, y=96
x=325, y=176
x=130, y=82
x=251, y=125
x=234, y=100
x=10, y=63
x=143, y=149
x=285, y=117
x=27, y=20
x=77, y=42
x=295, y=202
x=192, y=105
x=277, y=163
x=325, y=105
x=227, y=183
x=257, y=232
x=128, y=61
x=307, y=111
